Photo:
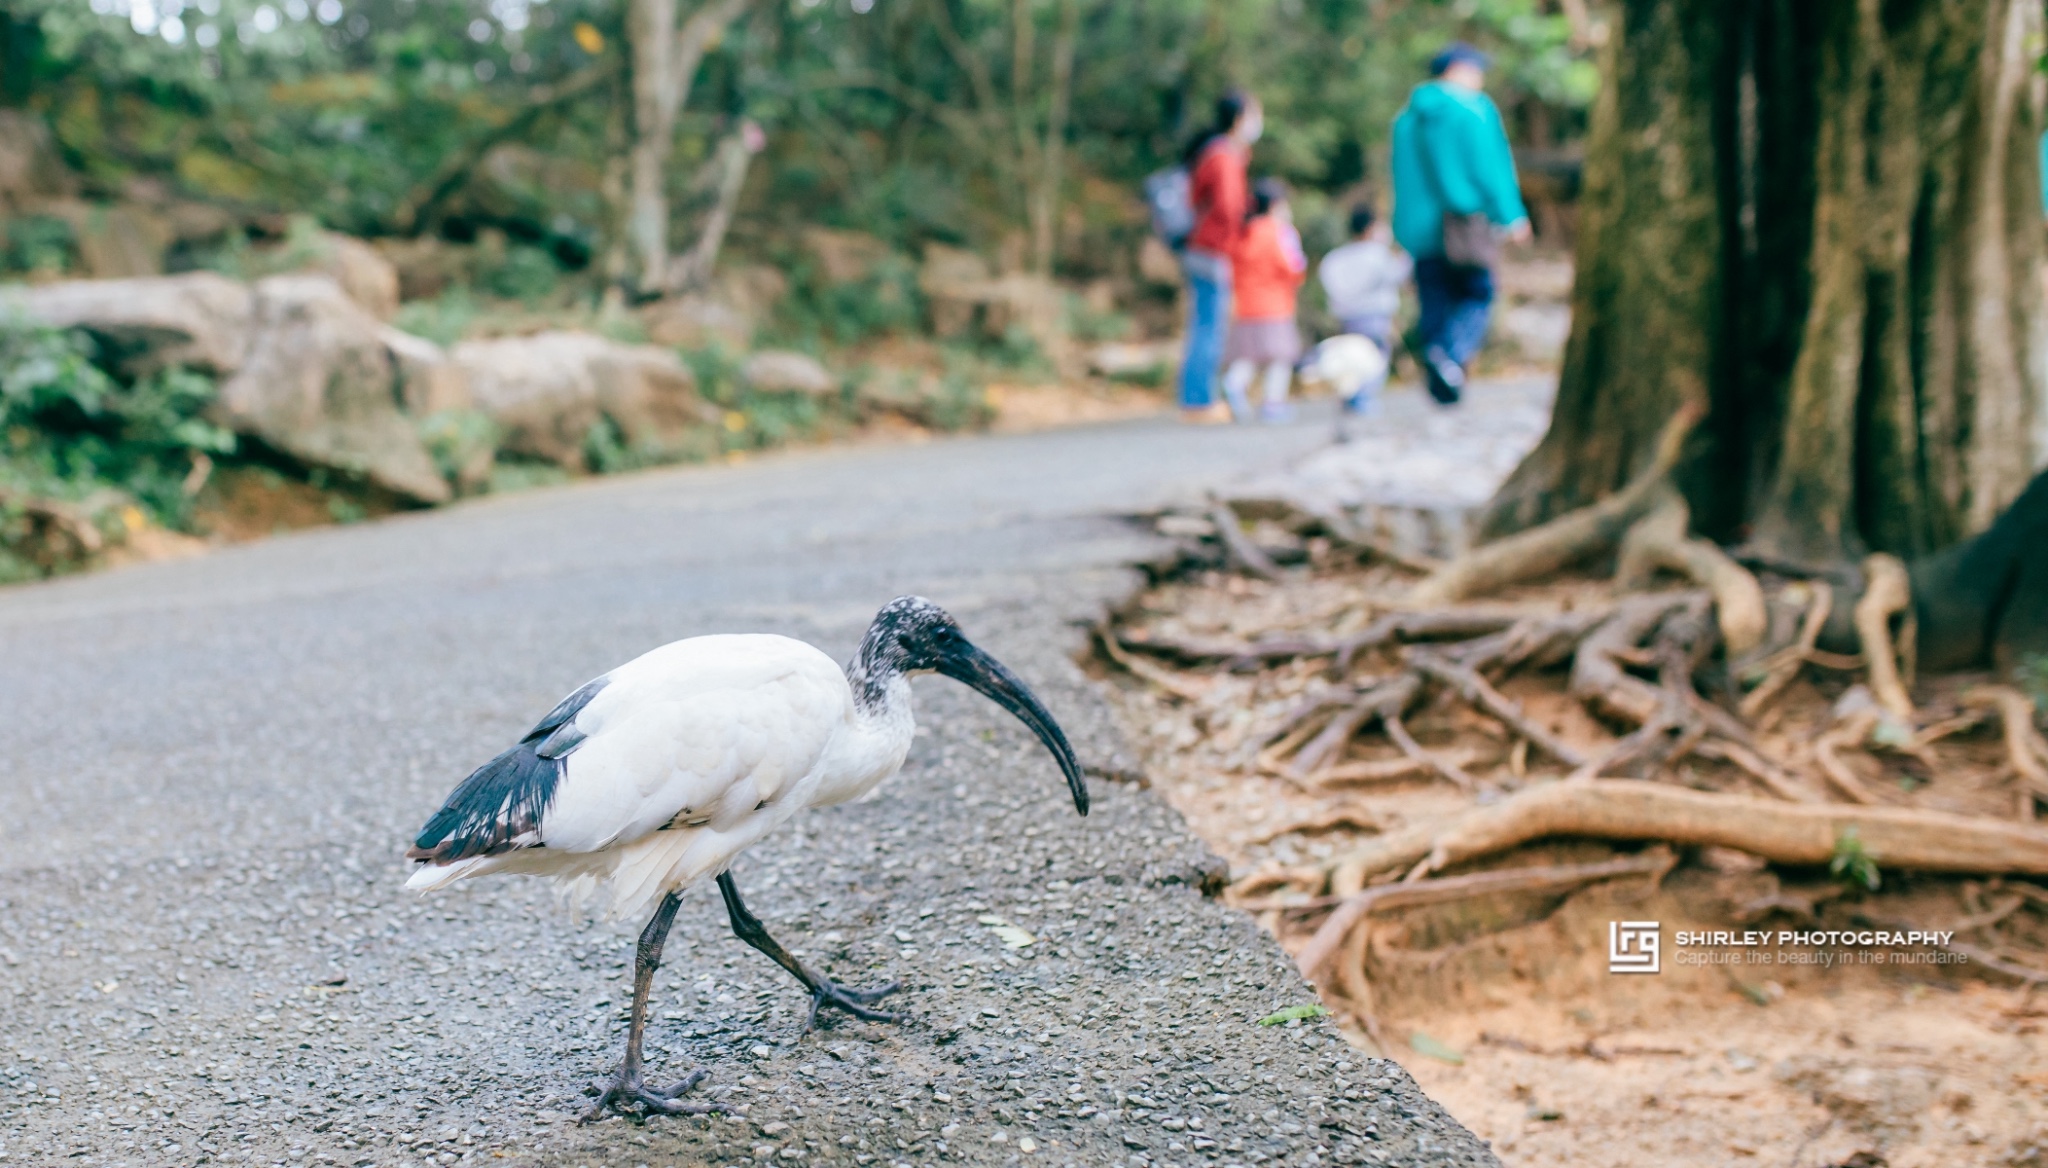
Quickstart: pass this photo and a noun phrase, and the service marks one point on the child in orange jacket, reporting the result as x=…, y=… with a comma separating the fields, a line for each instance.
x=1267, y=266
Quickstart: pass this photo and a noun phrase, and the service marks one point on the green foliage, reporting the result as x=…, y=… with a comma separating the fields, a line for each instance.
x=443, y=320
x=70, y=431
x=1852, y=863
x=819, y=312
x=526, y=273
x=459, y=440
x=39, y=244
x=1292, y=1013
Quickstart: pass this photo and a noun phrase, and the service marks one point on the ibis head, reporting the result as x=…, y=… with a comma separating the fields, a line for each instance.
x=912, y=635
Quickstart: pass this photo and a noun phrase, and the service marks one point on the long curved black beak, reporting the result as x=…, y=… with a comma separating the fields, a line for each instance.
x=973, y=667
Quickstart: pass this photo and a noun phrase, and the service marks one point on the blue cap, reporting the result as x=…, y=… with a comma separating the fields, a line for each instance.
x=1456, y=53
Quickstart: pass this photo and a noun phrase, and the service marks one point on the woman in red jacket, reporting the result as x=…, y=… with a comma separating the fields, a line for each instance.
x=1266, y=269
x=1216, y=164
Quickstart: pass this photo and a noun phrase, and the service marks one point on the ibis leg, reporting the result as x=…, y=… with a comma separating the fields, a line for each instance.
x=626, y=1088
x=824, y=992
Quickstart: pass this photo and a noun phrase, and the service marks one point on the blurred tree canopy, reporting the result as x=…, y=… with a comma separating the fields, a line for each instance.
x=988, y=123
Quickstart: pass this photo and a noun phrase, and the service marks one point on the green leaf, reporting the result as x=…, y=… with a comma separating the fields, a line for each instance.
x=1430, y=1047
x=1292, y=1013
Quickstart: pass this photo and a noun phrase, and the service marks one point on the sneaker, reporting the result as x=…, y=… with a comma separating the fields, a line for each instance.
x=1362, y=406
x=1444, y=377
x=1276, y=413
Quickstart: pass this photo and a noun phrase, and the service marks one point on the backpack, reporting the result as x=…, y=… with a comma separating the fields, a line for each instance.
x=1170, y=195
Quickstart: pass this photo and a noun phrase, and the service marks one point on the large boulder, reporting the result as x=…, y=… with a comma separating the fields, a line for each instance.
x=317, y=384
x=200, y=320
x=430, y=381
x=547, y=391
x=362, y=271
x=783, y=371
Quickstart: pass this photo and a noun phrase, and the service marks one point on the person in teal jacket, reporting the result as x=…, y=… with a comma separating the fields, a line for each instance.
x=1451, y=157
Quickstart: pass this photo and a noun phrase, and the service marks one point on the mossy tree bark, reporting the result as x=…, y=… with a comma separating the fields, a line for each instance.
x=1823, y=218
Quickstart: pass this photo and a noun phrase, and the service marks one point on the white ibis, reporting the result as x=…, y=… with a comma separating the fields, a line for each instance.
x=661, y=772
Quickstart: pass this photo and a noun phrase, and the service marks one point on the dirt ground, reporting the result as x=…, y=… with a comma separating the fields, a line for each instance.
x=1505, y=1010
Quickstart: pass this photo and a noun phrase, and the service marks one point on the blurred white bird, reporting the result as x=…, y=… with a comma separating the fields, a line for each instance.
x=658, y=774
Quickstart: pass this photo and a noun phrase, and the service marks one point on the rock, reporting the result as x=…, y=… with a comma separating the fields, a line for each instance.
x=546, y=391
x=427, y=266
x=200, y=319
x=782, y=371
x=844, y=257
x=429, y=381
x=363, y=272
x=316, y=384
x=697, y=321
x=727, y=314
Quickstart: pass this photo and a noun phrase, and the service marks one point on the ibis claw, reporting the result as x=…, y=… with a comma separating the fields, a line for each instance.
x=626, y=1091
x=854, y=1002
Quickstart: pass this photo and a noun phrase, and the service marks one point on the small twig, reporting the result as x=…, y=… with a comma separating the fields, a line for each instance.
x=1354, y=817
x=1757, y=766
x=1413, y=749
x=1478, y=691
x=1851, y=732
x=1145, y=670
x=1384, y=769
x=1238, y=549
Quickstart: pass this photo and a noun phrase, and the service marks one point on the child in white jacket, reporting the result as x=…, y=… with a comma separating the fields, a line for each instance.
x=1362, y=282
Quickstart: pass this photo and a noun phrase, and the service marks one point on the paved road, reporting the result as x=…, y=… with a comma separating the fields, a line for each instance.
x=205, y=955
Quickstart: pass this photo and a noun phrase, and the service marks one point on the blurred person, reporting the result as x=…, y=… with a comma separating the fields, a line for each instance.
x=1216, y=162
x=1268, y=266
x=1455, y=196
x=1362, y=281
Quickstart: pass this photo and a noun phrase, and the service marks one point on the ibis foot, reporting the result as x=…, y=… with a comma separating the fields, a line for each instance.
x=824, y=991
x=627, y=1090
x=854, y=1002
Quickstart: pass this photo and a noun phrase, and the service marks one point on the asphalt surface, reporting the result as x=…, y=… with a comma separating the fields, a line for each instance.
x=213, y=766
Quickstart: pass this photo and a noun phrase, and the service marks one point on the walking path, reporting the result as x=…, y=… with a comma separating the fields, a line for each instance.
x=214, y=764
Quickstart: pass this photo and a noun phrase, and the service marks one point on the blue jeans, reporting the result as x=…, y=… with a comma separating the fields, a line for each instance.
x=1208, y=324
x=1456, y=302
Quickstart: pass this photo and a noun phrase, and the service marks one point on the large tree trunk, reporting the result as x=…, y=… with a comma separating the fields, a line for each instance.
x=1822, y=217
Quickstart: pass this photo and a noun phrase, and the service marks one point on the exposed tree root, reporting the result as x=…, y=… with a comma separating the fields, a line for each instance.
x=1238, y=549
x=1851, y=731
x=1888, y=592
x=1362, y=903
x=1476, y=690
x=1563, y=541
x=1659, y=540
x=1913, y=839
x=2024, y=746
x=1783, y=667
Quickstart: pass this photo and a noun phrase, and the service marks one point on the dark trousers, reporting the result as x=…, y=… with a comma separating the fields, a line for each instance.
x=1456, y=302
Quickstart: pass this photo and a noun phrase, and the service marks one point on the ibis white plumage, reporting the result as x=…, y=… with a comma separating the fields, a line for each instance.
x=658, y=774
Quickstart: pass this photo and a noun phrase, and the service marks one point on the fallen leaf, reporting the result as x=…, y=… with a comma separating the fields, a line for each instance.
x=1291, y=1013
x=1430, y=1047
